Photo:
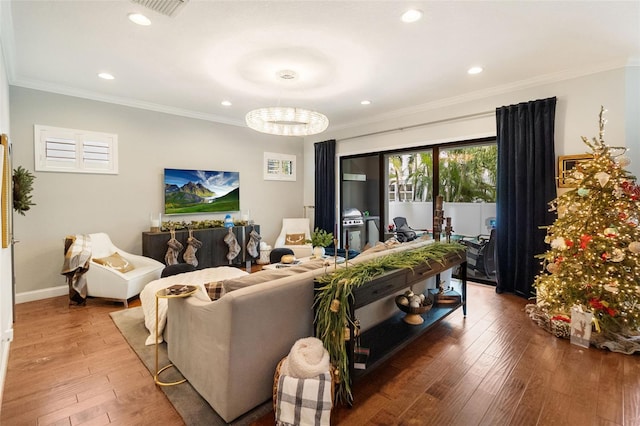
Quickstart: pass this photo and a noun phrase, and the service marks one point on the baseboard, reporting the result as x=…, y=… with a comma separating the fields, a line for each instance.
x=4, y=361
x=30, y=296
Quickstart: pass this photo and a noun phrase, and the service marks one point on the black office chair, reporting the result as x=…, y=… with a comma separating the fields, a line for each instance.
x=276, y=254
x=404, y=233
x=178, y=268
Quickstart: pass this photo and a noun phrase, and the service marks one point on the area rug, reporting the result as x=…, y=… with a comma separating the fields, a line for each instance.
x=193, y=409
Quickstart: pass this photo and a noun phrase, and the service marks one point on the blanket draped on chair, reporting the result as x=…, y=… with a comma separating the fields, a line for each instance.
x=76, y=262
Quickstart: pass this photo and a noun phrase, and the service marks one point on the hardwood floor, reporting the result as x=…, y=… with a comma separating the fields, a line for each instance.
x=71, y=366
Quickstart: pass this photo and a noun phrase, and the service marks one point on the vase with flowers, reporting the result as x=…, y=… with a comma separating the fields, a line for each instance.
x=319, y=240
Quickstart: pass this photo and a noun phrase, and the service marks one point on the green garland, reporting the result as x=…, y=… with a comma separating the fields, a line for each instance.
x=332, y=301
x=199, y=224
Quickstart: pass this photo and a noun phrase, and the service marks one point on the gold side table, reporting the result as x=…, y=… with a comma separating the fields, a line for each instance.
x=174, y=291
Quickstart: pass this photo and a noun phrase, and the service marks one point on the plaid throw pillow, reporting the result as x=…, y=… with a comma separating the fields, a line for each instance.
x=215, y=290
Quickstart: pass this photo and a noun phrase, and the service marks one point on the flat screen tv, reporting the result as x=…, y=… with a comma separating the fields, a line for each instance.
x=201, y=191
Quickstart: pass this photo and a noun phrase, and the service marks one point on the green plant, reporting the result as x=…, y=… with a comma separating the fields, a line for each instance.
x=320, y=238
x=332, y=301
x=22, y=188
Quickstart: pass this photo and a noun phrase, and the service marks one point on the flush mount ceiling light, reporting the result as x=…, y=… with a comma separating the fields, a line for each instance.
x=287, y=121
x=139, y=18
x=411, y=15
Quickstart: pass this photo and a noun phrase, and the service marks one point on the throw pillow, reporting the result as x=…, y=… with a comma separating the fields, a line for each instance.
x=294, y=239
x=115, y=261
x=215, y=290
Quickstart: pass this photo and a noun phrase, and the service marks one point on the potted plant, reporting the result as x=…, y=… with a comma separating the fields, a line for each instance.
x=319, y=240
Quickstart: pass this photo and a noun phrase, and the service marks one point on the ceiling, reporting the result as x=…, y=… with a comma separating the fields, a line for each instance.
x=343, y=52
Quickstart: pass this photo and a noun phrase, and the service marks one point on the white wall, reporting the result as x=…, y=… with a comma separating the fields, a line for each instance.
x=577, y=109
x=68, y=203
x=6, y=292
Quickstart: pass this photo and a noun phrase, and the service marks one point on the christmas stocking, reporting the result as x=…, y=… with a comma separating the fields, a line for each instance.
x=254, y=244
x=171, y=258
x=193, y=245
x=232, y=242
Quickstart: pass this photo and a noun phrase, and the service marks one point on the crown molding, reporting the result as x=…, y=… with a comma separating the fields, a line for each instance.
x=85, y=94
x=485, y=93
x=391, y=115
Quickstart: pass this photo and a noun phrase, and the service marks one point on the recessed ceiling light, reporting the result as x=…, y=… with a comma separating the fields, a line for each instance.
x=475, y=70
x=139, y=18
x=365, y=102
x=411, y=15
x=226, y=103
x=106, y=76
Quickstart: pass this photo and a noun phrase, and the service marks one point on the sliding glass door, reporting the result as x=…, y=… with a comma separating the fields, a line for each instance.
x=464, y=174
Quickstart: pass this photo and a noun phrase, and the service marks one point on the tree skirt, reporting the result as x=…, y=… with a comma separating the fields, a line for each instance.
x=615, y=342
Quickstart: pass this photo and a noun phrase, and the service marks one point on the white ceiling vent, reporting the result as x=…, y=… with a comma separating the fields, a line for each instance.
x=166, y=7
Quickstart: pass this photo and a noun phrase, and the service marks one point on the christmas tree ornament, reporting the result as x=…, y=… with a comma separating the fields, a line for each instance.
x=602, y=178
x=610, y=232
x=558, y=243
x=634, y=247
x=578, y=175
x=617, y=255
x=623, y=161
x=583, y=192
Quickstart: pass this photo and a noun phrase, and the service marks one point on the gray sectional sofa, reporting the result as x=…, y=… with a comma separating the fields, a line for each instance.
x=228, y=349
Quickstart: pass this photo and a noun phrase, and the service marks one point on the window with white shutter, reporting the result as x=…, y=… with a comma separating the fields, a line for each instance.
x=75, y=151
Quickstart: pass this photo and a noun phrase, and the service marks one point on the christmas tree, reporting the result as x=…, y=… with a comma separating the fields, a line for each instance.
x=593, y=263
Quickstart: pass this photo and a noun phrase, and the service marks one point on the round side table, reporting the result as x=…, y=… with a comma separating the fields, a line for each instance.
x=174, y=291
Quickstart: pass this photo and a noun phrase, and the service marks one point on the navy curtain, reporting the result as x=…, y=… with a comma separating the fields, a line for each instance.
x=526, y=184
x=325, y=187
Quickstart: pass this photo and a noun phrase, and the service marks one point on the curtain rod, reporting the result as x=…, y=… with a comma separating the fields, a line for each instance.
x=428, y=123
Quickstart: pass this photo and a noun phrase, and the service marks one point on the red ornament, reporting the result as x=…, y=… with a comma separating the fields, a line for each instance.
x=584, y=240
x=568, y=243
x=596, y=303
x=604, y=256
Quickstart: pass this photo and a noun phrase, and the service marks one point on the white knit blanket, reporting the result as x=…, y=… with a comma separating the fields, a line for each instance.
x=307, y=358
x=198, y=278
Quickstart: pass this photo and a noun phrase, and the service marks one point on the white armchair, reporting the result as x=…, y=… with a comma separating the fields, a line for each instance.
x=294, y=227
x=104, y=281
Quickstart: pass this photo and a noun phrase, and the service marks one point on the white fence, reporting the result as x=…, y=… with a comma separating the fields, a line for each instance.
x=469, y=219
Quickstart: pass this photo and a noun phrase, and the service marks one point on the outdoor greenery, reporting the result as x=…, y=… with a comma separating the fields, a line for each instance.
x=467, y=175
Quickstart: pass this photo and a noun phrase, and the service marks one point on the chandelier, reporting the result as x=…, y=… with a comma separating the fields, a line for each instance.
x=287, y=121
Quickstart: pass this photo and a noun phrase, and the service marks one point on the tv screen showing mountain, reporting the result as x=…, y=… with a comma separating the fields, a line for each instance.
x=200, y=191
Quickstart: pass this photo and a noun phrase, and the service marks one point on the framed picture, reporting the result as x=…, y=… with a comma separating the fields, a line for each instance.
x=279, y=166
x=566, y=165
x=201, y=191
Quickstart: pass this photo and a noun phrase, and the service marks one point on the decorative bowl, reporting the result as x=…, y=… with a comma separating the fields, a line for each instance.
x=413, y=314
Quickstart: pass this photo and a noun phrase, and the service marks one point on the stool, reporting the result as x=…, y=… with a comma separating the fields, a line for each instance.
x=277, y=253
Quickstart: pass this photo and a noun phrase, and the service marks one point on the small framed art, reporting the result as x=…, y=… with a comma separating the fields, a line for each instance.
x=279, y=166
x=566, y=166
